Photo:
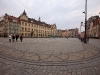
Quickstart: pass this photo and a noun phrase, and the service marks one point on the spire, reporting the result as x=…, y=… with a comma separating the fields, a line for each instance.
x=24, y=10
x=24, y=13
x=39, y=18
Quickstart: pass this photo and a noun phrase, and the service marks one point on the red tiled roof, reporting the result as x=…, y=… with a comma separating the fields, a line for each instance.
x=10, y=18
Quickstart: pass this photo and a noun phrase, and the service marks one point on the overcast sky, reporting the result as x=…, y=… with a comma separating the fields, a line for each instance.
x=66, y=14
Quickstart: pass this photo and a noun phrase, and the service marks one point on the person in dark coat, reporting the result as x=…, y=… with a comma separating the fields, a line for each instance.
x=21, y=38
x=87, y=39
x=13, y=38
x=17, y=38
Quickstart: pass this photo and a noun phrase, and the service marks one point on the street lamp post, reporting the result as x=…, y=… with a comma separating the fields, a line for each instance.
x=85, y=21
x=80, y=27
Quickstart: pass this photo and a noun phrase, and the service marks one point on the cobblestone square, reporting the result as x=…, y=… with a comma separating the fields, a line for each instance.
x=49, y=56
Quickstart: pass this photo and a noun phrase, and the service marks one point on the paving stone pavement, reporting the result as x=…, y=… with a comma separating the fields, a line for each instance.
x=49, y=56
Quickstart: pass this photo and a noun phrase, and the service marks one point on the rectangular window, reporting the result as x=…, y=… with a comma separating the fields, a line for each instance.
x=36, y=26
x=32, y=25
x=25, y=24
x=28, y=24
x=25, y=29
x=22, y=28
x=28, y=29
x=22, y=23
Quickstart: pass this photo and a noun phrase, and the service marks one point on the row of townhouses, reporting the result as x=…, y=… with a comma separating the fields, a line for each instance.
x=93, y=27
x=29, y=27
x=68, y=32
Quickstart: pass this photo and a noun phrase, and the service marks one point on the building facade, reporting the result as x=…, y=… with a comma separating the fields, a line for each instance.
x=59, y=33
x=64, y=33
x=1, y=28
x=35, y=28
x=10, y=25
x=82, y=34
x=28, y=27
x=93, y=27
x=73, y=32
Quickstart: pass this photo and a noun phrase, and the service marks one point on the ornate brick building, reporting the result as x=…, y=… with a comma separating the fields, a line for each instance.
x=26, y=26
x=9, y=25
x=93, y=27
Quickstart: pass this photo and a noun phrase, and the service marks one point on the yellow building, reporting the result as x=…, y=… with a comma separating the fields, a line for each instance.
x=33, y=28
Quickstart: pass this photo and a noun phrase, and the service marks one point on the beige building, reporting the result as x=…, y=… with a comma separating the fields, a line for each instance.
x=59, y=33
x=73, y=32
x=1, y=28
x=28, y=27
x=33, y=28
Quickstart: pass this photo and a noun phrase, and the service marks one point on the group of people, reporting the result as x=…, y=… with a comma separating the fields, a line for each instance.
x=82, y=39
x=12, y=38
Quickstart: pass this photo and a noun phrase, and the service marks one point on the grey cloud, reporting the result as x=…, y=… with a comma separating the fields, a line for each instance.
x=65, y=13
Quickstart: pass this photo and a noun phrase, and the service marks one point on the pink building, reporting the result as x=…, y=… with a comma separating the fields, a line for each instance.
x=64, y=33
x=82, y=34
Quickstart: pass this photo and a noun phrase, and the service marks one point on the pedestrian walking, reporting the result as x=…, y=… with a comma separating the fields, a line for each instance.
x=87, y=39
x=17, y=38
x=82, y=39
x=13, y=38
x=21, y=38
x=10, y=37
